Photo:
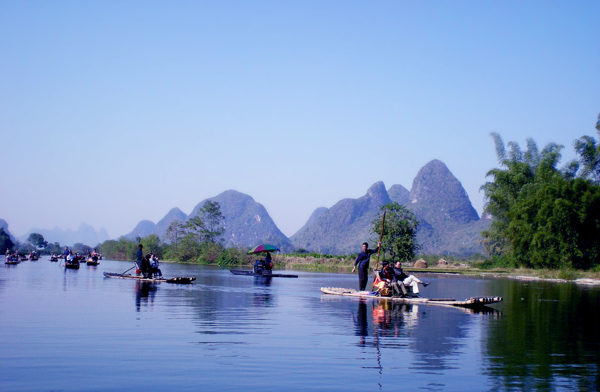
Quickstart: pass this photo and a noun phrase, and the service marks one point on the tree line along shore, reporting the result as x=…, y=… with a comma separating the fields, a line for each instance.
x=545, y=222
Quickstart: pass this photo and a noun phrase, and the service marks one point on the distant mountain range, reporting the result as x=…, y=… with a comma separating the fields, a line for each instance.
x=4, y=226
x=85, y=234
x=448, y=222
x=247, y=223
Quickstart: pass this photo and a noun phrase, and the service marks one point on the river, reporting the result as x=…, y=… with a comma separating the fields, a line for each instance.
x=75, y=330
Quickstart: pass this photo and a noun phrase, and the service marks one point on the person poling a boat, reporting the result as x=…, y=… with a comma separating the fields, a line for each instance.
x=362, y=261
x=140, y=257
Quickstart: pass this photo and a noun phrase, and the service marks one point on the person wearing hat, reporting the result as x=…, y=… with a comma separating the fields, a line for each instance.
x=362, y=261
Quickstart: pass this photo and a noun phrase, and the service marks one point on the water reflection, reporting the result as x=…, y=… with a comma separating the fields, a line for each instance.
x=144, y=294
x=263, y=298
x=551, y=339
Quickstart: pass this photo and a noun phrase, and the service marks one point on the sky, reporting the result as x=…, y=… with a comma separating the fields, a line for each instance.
x=112, y=112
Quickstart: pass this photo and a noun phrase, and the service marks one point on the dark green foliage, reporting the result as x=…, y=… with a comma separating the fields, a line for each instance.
x=234, y=256
x=152, y=244
x=556, y=223
x=505, y=261
x=37, y=240
x=5, y=241
x=123, y=249
x=543, y=217
x=399, y=232
x=81, y=248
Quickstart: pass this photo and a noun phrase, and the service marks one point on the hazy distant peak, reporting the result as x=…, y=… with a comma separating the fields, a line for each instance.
x=399, y=194
x=436, y=190
x=319, y=212
x=377, y=194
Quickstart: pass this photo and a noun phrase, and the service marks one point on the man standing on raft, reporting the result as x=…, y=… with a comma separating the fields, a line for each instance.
x=362, y=260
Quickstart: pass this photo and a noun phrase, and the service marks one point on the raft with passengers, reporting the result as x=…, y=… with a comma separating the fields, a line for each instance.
x=391, y=283
x=263, y=267
x=147, y=270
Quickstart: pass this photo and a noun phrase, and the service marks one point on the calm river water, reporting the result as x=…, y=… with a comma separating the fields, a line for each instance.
x=74, y=330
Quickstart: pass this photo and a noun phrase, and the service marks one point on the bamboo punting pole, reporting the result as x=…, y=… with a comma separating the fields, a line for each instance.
x=380, y=237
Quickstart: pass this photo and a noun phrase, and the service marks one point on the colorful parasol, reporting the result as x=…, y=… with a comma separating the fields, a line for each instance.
x=263, y=248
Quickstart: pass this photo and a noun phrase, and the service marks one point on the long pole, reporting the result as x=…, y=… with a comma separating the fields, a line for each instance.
x=380, y=237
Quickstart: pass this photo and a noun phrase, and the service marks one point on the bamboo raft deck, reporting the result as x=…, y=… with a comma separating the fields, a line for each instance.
x=473, y=302
x=263, y=275
x=178, y=279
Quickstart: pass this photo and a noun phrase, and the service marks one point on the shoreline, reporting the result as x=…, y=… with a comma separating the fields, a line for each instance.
x=342, y=266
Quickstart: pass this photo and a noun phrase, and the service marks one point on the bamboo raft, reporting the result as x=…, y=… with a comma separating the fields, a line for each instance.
x=178, y=279
x=263, y=274
x=473, y=302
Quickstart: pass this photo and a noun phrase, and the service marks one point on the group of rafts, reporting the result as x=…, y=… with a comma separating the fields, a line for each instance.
x=263, y=268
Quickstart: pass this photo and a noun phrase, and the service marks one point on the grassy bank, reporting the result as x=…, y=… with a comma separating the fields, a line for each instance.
x=464, y=267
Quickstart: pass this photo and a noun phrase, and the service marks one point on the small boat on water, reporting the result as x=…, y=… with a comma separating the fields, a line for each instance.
x=473, y=302
x=92, y=261
x=72, y=264
x=178, y=279
x=264, y=274
x=53, y=258
x=11, y=260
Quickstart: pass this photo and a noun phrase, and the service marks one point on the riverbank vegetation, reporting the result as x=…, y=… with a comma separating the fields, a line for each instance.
x=544, y=217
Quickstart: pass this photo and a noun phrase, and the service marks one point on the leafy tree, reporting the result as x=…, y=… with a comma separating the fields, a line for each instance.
x=207, y=225
x=5, y=241
x=81, y=248
x=189, y=248
x=588, y=150
x=37, y=240
x=556, y=223
x=501, y=194
x=543, y=216
x=152, y=244
x=399, y=232
x=175, y=231
x=123, y=249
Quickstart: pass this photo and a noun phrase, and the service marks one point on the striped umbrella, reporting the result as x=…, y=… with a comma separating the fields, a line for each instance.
x=264, y=248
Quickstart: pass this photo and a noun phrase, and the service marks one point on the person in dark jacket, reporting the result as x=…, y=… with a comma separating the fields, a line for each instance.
x=398, y=276
x=407, y=280
x=140, y=256
x=362, y=261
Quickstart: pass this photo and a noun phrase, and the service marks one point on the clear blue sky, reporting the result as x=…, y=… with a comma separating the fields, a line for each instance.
x=116, y=111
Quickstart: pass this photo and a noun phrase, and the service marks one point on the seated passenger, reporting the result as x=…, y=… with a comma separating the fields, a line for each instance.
x=259, y=266
x=407, y=280
x=382, y=279
x=154, y=270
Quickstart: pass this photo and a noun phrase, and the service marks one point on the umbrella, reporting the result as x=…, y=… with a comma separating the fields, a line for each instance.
x=263, y=248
